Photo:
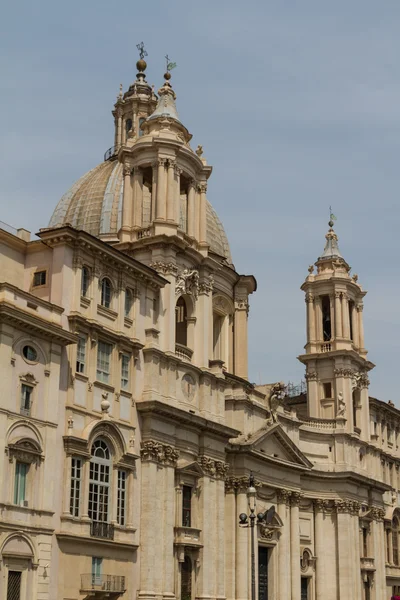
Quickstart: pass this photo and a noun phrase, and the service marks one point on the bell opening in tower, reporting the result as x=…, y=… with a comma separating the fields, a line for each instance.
x=326, y=318
x=181, y=322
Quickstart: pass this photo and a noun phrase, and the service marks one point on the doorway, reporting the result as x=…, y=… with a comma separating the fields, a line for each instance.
x=186, y=579
x=263, y=558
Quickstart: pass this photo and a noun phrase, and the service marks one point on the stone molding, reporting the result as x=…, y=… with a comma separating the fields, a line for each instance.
x=343, y=372
x=239, y=484
x=24, y=451
x=161, y=453
x=213, y=468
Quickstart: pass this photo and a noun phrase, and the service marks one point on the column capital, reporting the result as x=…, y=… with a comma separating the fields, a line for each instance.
x=161, y=162
x=347, y=506
x=157, y=452
x=127, y=169
x=338, y=295
x=321, y=505
x=309, y=297
x=343, y=372
x=359, y=307
x=202, y=187
x=296, y=498
x=283, y=497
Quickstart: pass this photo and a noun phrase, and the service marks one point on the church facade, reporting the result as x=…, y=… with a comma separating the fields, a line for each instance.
x=128, y=425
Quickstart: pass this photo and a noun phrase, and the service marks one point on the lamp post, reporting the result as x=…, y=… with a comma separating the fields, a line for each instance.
x=250, y=521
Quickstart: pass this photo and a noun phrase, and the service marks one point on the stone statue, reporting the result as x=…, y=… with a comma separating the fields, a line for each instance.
x=276, y=396
x=187, y=282
x=341, y=405
x=199, y=150
x=311, y=269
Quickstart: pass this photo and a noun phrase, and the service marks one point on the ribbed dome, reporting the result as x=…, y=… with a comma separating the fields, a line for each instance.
x=94, y=204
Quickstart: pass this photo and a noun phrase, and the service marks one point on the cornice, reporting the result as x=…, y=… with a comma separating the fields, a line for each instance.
x=79, y=539
x=12, y=315
x=176, y=415
x=78, y=320
x=31, y=297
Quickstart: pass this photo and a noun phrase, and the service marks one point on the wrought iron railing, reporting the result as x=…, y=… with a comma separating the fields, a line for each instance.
x=111, y=152
x=108, y=583
x=102, y=530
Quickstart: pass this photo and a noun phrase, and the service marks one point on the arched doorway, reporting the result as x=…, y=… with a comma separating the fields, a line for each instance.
x=186, y=579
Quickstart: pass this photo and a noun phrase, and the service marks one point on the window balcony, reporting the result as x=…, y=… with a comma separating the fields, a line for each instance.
x=187, y=536
x=102, y=586
x=183, y=352
x=102, y=530
x=367, y=564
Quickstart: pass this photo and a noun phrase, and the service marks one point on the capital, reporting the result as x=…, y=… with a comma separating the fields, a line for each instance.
x=309, y=298
x=359, y=307
x=127, y=170
x=338, y=295
x=202, y=188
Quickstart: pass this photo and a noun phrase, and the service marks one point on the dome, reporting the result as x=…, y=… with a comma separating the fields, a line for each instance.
x=94, y=204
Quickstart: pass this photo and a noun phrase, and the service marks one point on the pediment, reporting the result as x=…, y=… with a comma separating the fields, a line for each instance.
x=275, y=444
x=190, y=468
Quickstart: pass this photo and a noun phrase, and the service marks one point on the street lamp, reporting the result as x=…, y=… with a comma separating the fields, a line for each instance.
x=249, y=521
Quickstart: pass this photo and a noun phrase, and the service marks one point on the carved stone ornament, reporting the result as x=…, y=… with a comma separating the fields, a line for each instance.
x=307, y=561
x=359, y=380
x=206, y=286
x=295, y=498
x=199, y=150
x=283, y=497
x=164, y=268
x=313, y=376
x=321, y=505
x=24, y=451
x=311, y=269
x=213, y=468
x=347, y=506
x=239, y=484
x=377, y=514
x=341, y=406
x=187, y=282
x=160, y=453
x=242, y=304
x=276, y=396
x=309, y=298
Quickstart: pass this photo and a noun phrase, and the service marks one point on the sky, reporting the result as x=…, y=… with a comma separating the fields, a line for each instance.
x=296, y=104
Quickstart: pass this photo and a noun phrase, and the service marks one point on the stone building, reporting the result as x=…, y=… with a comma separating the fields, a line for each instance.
x=128, y=426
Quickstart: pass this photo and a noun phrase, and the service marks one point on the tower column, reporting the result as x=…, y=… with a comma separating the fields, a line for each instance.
x=137, y=197
x=127, y=199
x=202, y=215
x=310, y=318
x=338, y=315
x=190, y=210
x=178, y=173
x=346, y=316
x=161, y=200
x=170, y=191
x=119, y=130
x=153, y=190
x=360, y=325
x=354, y=326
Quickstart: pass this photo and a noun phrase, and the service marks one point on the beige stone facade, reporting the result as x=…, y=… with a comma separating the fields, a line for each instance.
x=128, y=426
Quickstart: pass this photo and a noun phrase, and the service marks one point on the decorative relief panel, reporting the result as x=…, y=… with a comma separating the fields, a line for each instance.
x=160, y=453
x=213, y=468
x=187, y=282
x=239, y=484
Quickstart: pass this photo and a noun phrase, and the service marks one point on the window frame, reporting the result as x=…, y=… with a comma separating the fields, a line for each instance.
x=128, y=303
x=80, y=364
x=24, y=410
x=85, y=281
x=39, y=274
x=18, y=499
x=97, y=570
x=122, y=489
x=104, y=374
x=125, y=370
x=106, y=293
x=75, y=486
x=100, y=483
x=187, y=508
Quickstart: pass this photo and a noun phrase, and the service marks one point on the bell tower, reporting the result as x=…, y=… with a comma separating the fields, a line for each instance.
x=335, y=355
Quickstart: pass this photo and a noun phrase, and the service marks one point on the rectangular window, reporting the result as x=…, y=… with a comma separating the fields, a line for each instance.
x=125, y=363
x=326, y=318
x=365, y=542
x=128, y=302
x=121, y=497
x=81, y=355
x=97, y=564
x=328, y=390
x=76, y=474
x=39, y=278
x=103, y=361
x=14, y=585
x=21, y=473
x=26, y=399
x=84, y=281
x=186, y=506
x=304, y=588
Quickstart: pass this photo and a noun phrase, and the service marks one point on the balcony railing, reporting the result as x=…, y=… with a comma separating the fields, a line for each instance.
x=183, y=352
x=106, y=583
x=102, y=530
x=326, y=347
x=111, y=152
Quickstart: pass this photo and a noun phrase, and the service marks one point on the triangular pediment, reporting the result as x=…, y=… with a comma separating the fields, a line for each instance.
x=275, y=444
x=190, y=468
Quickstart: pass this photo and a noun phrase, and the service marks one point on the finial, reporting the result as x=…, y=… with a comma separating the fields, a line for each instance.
x=332, y=218
x=170, y=66
x=141, y=63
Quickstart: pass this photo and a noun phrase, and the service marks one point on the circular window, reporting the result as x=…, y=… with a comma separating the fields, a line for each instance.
x=29, y=353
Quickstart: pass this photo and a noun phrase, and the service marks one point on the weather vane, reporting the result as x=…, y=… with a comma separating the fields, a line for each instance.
x=170, y=65
x=331, y=215
x=142, y=51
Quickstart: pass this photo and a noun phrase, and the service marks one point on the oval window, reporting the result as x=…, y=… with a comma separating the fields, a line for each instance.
x=29, y=353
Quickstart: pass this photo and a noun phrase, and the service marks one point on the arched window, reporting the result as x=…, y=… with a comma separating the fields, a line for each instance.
x=128, y=302
x=84, y=281
x=141, y=121
x=181, y=322
x=106, y=293
x=100, y=483
x=395, y=541
x=128, y=125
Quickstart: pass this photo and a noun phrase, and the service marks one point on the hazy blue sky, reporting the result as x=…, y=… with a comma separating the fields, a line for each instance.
x=297, y=106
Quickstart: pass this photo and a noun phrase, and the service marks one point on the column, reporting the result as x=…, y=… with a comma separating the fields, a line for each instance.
x=153, y=190
x=242, y=556
x=232, y=519
x=344, y=547
x=150, y=532
x=346, y=316
x=295, y=545
x=359, y=309
x=115, y=132
x=357, y=551
x=318, y=318
x=123, y=131
x=137, y=197
x=169, y=524
x=354, y=326
x=177, y=192
x=241, y=316
x=310, y=317
x=170, y=191
x=130, y=521
x=203, y=215
x=332, y=309
x=127, y=199
x=119, y=130
x=191, y=209
x=161, y=199
x=338, y=315
x=320, y=582
x=283, y=498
